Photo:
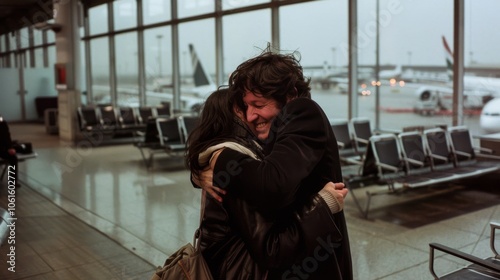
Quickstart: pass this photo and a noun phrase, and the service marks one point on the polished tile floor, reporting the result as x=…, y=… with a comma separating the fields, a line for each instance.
x=98, y=213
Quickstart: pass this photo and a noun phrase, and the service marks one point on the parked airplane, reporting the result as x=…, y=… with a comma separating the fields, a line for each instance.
x=191, y=98
x=477, y=90
x=203, y=83
x=327, y=76
x=489, y=121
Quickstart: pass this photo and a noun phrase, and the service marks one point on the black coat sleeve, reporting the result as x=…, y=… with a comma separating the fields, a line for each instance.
x=279, y=243
x=298, y=136
x=5, y=140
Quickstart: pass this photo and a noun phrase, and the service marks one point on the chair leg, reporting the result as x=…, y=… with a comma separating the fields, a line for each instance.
x=358, y=204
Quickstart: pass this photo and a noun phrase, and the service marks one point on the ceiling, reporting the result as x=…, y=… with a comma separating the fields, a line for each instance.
x=16, y=14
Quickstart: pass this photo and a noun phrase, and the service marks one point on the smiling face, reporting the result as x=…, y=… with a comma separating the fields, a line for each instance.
x=260, y=112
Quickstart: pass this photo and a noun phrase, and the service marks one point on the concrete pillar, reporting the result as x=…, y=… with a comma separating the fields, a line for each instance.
x=66, y=13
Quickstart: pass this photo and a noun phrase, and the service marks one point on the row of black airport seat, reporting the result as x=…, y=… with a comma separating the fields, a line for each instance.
x=410, y=159
x=165, y=135
x=118, y=119
x=353, y=137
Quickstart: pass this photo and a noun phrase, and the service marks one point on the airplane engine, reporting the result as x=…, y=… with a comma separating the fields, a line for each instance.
x=429, y=100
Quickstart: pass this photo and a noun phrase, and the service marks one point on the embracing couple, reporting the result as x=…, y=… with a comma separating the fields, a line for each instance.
x=266, y=155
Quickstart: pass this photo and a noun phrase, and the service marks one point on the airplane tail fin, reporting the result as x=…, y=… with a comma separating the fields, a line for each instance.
x=201, y=78
x=449, y=58
x=398, y=70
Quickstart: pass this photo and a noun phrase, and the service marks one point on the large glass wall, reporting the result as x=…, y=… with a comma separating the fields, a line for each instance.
x=124, y=14
x=319, y=42
x=99, y=49
x=402, y=62
x=51, y=53
x=98, y=19
x=158, y=61
x=200, y=35
x=25, y=38
x=239, y=48
x=401, y=51
x=188, y=8
x=127, y=75
x=39, y=57
x=37, y=37
x=155, y=11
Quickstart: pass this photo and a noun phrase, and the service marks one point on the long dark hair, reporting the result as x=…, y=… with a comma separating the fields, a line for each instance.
x=216, y=125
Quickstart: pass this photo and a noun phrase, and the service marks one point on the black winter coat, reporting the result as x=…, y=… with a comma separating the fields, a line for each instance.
x=281, y=223
x=239, y=242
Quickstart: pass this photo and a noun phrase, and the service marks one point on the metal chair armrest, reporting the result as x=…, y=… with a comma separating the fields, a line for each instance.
x=458, y=254
x=494, y=226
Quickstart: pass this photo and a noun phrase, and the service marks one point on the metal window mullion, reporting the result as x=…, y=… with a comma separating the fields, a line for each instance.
x=45, y=49
x=140, y=55
x=7, y=49
x=31, y=49
x=88, y=57
x=175, y=58
x=112, y=56
x=219, y=46
x=458, y=65
x=353, y=59
x=275, y=26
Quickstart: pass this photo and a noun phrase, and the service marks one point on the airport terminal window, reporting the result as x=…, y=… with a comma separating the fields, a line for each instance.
x=30, y=59
x=37, y=37
x=479, y=53
x=158, y=61
x=51, y=52
x=98, y=19
x=39, y=57
x=51, y=36
x=13, y=61
x=188, y=8
x=245, y=47
x=125, y=14
x=407, y=46
x=201, y=34
x=12, y=41
x=25, y=38
x=324, y=58
x=155, y=11
x=99, y=49
x=127, y=72
x=481, y=66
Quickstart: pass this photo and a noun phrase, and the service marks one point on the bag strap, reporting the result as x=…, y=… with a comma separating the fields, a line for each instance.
x=197, y=233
